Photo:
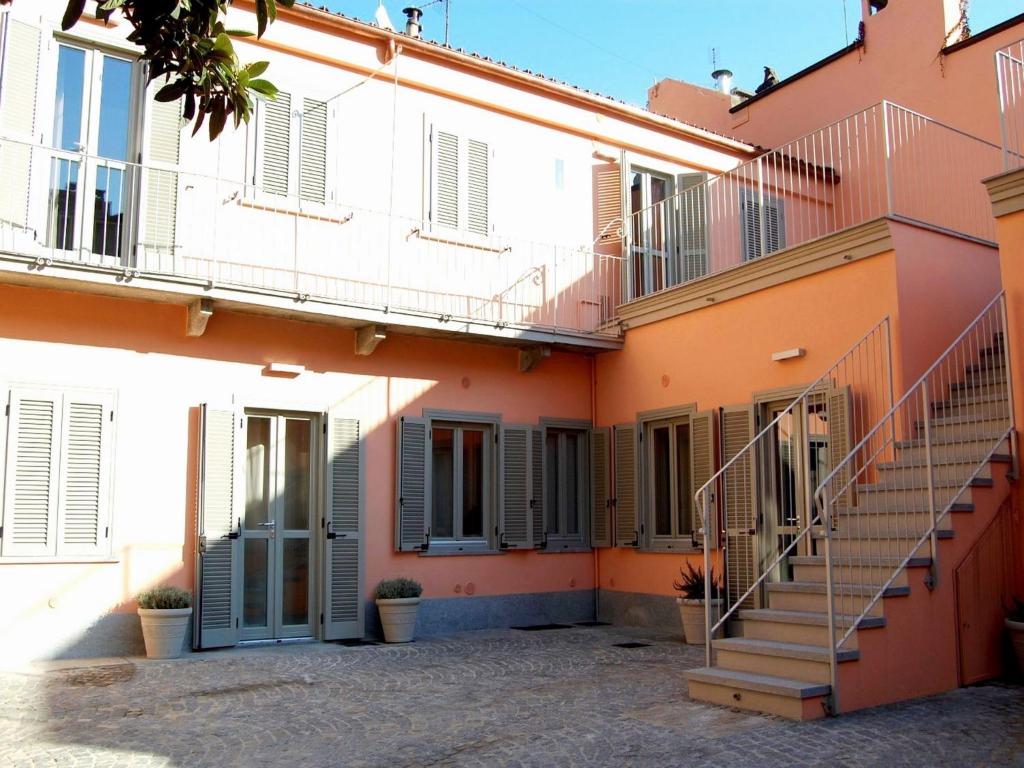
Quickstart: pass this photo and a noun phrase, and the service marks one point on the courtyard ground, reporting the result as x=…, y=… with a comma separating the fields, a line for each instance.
x=567, y=697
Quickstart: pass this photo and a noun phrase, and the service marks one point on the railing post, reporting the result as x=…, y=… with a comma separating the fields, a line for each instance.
x=833, y=671
x=1000, y=85
x=888, y=159
x=760, y=206
x=1014, y=448
x=708, y=623
x=933, y=574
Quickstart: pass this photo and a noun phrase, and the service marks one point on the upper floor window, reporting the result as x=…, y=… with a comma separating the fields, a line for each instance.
x=460, y=182
x=762, y=224
x=293, y=147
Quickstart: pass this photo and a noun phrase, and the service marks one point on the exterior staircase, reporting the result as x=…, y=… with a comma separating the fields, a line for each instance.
x=777, y=655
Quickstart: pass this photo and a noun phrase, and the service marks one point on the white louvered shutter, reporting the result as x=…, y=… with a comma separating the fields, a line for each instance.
x=538, y=488
x=600, y=487
x=750, y=225
x=445, y=203
x=276, y=150
x=31, y=477
x=19, y=82
x=774, y=225
x=738, y=498
x=412, y=503
x=627, y=480
x=514, y=490
x=221, y=499
x=83, y=516
x=693, y=226
x=478, y=214
x=160, y=186
x=608, y=225
x=840, y=443
x=344, y=548
x=702, y=469
x=313, y=151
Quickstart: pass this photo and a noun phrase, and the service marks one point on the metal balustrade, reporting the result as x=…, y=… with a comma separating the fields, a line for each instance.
x=73, y=208
x=885, y=160
x=1010, y=79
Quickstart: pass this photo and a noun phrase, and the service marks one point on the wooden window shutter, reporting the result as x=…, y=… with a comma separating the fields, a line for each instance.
x=538, y=487
x=19, y=82
x=313, y=151
x=702, y=469
x=31, y=478
x=444, y=208
x=627, y=480
x=478, y=217
x=600, y=487
x=221, y=500
x=693, y=225
x=83, y=517
x=412, y=510
x=840, y=443
x=343, y=540
x=608, y=195
x=750, y=225
x=774, y=225
x=276, y=144
x=160, y=187
x=514, y=494
x=738, y=491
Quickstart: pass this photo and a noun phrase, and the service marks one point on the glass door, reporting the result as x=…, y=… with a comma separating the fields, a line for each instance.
x=277, y=530
x=649, y=235
x=91, y=185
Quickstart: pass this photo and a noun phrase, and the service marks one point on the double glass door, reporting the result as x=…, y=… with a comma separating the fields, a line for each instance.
x=278, y=527
x=648, y=235
x=91, y=185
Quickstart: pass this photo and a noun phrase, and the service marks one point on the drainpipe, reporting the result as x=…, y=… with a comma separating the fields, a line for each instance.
x=593, y=422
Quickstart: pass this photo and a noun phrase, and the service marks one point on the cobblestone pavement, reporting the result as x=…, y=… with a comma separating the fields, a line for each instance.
x=556, y=698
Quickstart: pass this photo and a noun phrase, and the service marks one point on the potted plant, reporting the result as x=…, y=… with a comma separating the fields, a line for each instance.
x=164, y=613
x=691, y=602
x=397, y=601
x=1015, y=626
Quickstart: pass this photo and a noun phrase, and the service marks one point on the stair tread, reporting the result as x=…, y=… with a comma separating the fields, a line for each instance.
x=780, y=686
x=882, y=561
x=919, y=442
x=920, y=463
x=977, y=482
x=783, y=650
x=952, y=421
x=818, y=588
x=809, y=618
x=915, y=509
x=818, y=533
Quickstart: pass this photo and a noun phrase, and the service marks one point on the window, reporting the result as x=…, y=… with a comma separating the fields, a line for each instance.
x=460, y=481
x=752, y=237
x=648, y=232
x=56, y=500
x=460, y=182
x=669, y=487
x=293, y=147
x=566, y=487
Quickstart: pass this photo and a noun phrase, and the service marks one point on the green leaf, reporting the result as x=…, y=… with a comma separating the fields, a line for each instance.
x=172, y=91
x=263, y=87
x=72, y=14
x=240, y=32
x=257, y=68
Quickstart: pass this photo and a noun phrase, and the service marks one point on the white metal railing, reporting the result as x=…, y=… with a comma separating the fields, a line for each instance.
x=884, y=504
x=71, y=207
x=885, y=160
x=1010, y=79
x=761, y=500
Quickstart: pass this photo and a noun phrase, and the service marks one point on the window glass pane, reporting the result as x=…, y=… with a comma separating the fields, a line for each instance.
x=108, y=211
x=115, y=101
x=572, y=514
x=254, y=609
x=551, y=492
x=472, y=483
x=296, y=474
x=257, y=473
x=67, y=110
x=442, y=484
x=295, y=578
x=662, y=482
x=684, y=493
x=63, y=202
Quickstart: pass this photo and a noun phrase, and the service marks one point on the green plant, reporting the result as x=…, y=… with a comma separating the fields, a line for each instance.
x=691, y=582
x=396, y=589
x=1016, y=611
x=165, y=597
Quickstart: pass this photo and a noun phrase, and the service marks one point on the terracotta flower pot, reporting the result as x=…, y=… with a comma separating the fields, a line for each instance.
x=692, y=614
x=398, y=617
x=164, y=630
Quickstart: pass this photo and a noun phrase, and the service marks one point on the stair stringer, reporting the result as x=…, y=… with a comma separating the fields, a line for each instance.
x=916, y=653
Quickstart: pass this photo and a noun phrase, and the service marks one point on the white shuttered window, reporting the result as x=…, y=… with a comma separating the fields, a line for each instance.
x=293, y=147
x=461, y=172
x=56, y=500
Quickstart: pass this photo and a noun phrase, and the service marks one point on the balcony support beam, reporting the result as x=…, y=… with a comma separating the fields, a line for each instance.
x=368, y=337
x=199, y=312
x=530, y=357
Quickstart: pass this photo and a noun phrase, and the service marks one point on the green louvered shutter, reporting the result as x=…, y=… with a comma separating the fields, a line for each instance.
x=739, y=497
x=412, y=504
x=219, y=518
x=627, y=478
x=600, y=487
x=702, y=469
x=538, y=487
x=19, y=81
x=343, y=557
x=514, y=489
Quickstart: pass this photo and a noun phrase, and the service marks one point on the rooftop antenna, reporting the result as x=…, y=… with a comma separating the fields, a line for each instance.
x=447, y=14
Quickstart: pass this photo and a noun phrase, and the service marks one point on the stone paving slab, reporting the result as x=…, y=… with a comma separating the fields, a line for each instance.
x=490, y=698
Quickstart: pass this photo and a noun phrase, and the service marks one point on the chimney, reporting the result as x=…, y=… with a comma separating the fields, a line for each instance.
x=723, y=79
x=413, y=27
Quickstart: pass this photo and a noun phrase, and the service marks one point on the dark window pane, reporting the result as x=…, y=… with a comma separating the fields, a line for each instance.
x=551, y=492
x=108, y=211
x=442, y=483
x=472, y=484
x=683, y=490
x=572, y=514
x=662, y=483
x=254, y=611
x=63, y=202
x=295, y=578
x=115, y=101
x=67, y=108
x=296, y=474
x=257, y=473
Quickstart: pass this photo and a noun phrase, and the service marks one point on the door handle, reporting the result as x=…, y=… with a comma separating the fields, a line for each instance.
x=271, y=524
x=331, y=534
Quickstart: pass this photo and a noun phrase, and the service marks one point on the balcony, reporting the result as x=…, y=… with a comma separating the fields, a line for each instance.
x=86, y=217
x=1010, y=78
x=885, y=161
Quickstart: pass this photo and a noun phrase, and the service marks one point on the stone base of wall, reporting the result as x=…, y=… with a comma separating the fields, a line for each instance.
x=635, y=609
x=442, y=616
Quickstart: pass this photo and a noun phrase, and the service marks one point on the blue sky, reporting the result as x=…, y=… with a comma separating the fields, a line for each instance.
x=621, y=47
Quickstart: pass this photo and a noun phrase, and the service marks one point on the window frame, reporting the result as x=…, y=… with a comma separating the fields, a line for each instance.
x=677, y=541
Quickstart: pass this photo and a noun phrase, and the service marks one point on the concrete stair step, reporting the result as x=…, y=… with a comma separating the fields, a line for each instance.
x=961, y=428
x=786, y=697
x=867, y=547
x=801, y=627
x=945, y=474
x=952, y=450
x=876, y=571
x=887, y=524
x=972, y=408
x=812, y=596
x=945, y=486
x=769, y=657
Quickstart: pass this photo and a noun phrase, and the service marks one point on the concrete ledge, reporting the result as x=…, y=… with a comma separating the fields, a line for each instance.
x=1006, y=192
x=636, y=609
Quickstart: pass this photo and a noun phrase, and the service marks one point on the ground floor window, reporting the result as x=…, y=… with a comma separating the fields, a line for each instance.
x=461, y=478
x=566, y=487
x=668, y=481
